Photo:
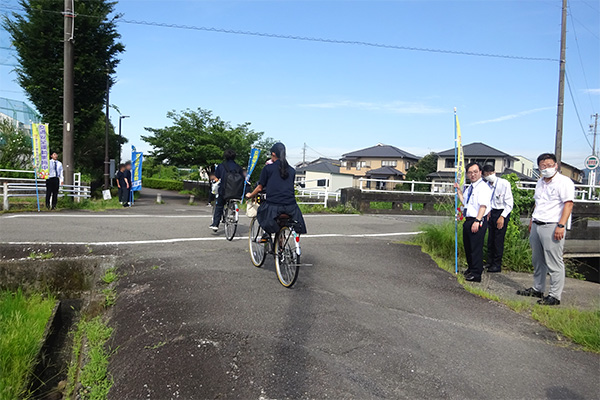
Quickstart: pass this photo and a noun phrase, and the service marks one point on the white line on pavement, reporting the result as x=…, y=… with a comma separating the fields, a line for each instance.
x=147, y=216
x=204, y=239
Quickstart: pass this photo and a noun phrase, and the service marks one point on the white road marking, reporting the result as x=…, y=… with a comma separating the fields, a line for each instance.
x=146, y=216
x=205, y=239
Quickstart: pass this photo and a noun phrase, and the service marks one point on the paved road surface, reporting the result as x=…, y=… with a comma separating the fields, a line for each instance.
x=371, y=319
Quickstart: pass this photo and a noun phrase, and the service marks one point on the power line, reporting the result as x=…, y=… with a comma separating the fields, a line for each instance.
x=586, y=28
x=307, y=38
x=590, y=6
x=581, y=60
x=577, y=111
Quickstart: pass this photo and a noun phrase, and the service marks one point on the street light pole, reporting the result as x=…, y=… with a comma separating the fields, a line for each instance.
x=106, y=122
x=120, y=119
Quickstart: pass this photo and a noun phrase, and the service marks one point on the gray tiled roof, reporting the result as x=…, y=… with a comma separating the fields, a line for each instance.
x=327, y=166
x=477, y=149
x=387, y=171
x=381, y=151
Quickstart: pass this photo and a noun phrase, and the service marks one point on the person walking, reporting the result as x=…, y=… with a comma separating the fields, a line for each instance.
x=476, y=208
x=128, y=174
x=229, y=166
x=554, y=195
x=499, y=217
x=54, y=181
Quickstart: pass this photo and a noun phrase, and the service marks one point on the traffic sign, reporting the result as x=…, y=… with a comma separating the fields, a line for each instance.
x=592, y=162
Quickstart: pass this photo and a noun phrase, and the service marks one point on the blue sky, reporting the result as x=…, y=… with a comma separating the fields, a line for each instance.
x=338, y=98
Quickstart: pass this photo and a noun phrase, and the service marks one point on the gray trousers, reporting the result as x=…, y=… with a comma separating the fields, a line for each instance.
x=547, y=257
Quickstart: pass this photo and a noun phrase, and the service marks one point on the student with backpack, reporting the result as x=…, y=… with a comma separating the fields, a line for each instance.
x=231, y=185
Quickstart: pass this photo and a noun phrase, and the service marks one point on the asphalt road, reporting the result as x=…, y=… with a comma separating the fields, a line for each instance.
x=371, y=318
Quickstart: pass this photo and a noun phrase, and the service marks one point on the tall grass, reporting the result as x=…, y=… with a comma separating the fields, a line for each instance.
x=582, y=327
x=22, y=323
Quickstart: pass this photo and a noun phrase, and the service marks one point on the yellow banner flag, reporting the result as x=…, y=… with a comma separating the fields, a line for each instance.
x=40, y=150
x=460, y=158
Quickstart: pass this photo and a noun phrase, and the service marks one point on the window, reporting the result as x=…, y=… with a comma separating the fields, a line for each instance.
x=449, y=163
x=350, y=164
x=389, y=163
x=407, y=165
x=484, y=161
x=344, y=163
x=322, y=182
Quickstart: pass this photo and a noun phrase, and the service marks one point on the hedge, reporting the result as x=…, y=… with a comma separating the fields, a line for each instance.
x=166, y=184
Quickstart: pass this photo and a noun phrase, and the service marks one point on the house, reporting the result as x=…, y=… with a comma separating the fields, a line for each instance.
x=526, y=167
x=382, y=162
x=572, y=172
x=474, y=152
x=323, y=174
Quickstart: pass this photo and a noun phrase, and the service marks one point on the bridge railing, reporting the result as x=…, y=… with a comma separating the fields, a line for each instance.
x=322, y=194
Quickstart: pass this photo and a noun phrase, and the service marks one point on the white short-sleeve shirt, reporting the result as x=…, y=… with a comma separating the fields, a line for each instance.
x=476, y=195
x=550, y=198
x=502, y=198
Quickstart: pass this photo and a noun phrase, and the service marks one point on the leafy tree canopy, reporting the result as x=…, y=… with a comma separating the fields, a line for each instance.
x=15, y=147
x=37, y=35
x=422, y=168
x=197, y=138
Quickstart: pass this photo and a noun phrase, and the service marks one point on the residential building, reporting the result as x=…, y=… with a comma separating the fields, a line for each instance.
x=323, y=174
x=572, y=172
x=526, y=167
x=383, y=162
x=474, y=152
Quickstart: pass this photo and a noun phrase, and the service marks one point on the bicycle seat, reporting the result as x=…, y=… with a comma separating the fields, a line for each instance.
x=283, y=216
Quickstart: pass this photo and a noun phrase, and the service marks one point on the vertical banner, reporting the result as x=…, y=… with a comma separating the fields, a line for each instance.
x=459, y=178
x=254, y=154
x=40, y=150
x=136, y=166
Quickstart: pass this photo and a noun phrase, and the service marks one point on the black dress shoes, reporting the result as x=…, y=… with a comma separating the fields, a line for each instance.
x=494, y=269
x=549, y=301
x=472, y=278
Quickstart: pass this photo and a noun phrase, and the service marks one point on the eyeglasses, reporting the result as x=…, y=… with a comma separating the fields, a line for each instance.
x=472, y=172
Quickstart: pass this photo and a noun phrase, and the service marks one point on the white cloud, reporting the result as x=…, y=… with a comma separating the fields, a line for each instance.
x=396, y=107
x=512, y=116
x=592, y=91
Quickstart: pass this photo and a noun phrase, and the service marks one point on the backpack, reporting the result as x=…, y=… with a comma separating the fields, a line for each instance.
x=234, y=184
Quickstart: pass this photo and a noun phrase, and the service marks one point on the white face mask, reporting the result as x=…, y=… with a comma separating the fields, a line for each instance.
x=491, y=178
x=548, y=172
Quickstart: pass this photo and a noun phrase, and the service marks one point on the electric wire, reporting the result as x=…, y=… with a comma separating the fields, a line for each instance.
x=576, y=110
x=586, y=28
x=302, y=38
x=581, y=60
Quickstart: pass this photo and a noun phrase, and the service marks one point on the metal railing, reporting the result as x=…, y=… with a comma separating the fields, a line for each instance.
x=27, y=187
x=317, y=192
x=583, y=193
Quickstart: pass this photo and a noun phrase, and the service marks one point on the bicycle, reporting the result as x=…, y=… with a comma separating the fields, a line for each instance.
x=285, y=248
x=231, y=213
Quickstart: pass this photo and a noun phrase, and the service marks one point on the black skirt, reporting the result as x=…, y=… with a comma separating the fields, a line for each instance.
x=268, y=213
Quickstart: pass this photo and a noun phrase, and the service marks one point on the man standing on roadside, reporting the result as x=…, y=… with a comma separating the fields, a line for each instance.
x=476, y=208
x=128, y=173
x=554, y=195
x=123, y=186
x=502, y=205
x=54, y=181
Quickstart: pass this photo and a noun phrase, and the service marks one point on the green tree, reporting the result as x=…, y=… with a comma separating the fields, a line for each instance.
x=37, y=35
x=15, y=147
x=198, y=139
x=419, y=172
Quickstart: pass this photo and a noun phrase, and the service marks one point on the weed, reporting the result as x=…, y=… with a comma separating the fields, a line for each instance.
x=582, y=327
x=381, y=205
x=110, y=276
x=110, y=297
x=34, y=255
x=155, y=267
x=318, y=208
x=155, y=346
x=22, y=324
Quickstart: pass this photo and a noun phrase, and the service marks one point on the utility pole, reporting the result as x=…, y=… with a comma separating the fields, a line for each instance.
x=68, y=91
x=304, y=154
x=595, y=132
x=561, y=85
x=106, y=121
x=120, y=119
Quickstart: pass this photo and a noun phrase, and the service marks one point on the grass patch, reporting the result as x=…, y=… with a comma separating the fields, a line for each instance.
x=582, y=327
x=318, y=208
x=94, y=377
x=110, y=297
x=155, y=346
x=22, y=323
x=380, y=205
x=30, y=204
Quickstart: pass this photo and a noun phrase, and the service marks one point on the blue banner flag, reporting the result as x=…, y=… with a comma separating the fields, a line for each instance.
x=136, y=173
x=254, y=154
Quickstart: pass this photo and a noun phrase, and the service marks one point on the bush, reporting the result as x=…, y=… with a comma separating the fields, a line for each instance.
x=166, y=184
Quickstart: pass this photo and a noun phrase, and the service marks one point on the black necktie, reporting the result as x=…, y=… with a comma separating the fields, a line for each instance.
x=55, y=169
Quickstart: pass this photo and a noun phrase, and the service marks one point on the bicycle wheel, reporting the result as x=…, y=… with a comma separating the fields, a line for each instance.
x=258, y=250
x=230, y=222
x=286, y=258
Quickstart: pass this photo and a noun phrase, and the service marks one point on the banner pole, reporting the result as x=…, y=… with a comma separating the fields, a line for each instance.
x=37, y=193
x=455, y=196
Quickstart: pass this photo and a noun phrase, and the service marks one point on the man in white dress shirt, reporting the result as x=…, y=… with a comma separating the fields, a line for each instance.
x=477, y=206
x=55, y=179
x=554, y=195
x=502, y=205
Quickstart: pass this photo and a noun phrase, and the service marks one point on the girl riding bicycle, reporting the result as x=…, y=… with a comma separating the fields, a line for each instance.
x=278, y=181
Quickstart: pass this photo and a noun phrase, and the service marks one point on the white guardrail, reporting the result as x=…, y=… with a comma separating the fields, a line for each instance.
x=26, y=187
x=322, y=195
x=583, y=193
